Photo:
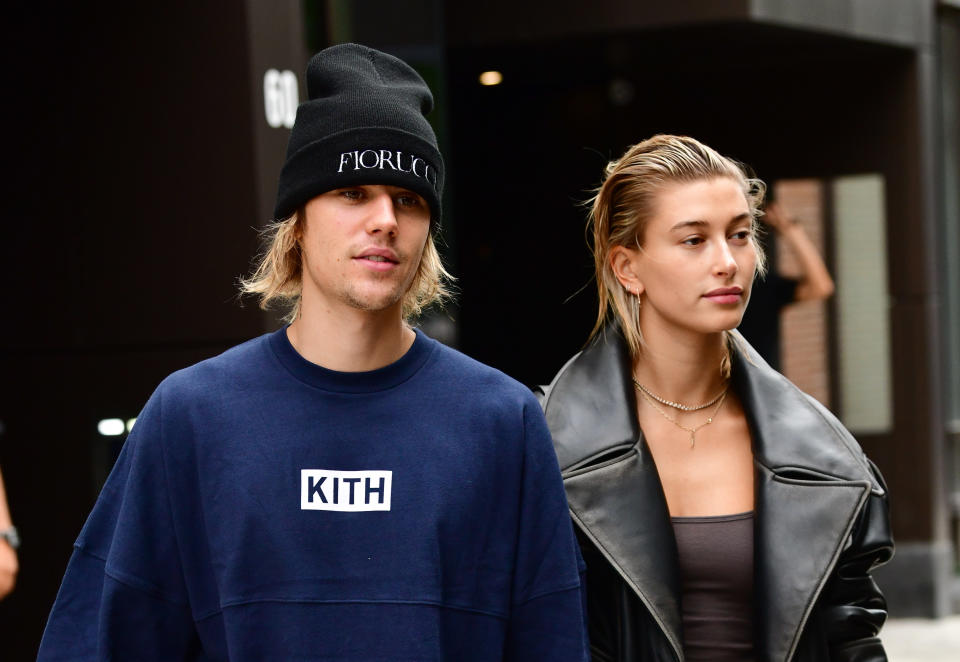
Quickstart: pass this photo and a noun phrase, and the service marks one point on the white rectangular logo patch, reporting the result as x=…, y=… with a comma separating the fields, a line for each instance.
x=347, y=491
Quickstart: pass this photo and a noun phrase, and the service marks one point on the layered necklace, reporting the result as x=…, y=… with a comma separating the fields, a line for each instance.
x=653, y=399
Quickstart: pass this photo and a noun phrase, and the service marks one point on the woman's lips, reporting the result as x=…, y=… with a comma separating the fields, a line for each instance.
x=725, y=295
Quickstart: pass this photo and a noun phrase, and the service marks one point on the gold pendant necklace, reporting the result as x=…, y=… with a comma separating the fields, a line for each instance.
x=693, y=431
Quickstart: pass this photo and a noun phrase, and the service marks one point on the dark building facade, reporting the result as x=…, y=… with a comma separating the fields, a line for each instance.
x=146, y=141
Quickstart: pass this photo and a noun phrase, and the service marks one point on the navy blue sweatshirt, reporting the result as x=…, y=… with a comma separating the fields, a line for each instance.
x=265, y=508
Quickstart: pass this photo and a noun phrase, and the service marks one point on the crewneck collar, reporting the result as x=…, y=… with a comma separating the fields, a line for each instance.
x=352, y=382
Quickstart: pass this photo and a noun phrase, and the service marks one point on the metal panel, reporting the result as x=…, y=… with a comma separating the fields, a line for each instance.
x=890, y=21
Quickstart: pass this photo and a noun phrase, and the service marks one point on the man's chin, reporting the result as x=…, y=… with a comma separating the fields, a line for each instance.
x=375, y=303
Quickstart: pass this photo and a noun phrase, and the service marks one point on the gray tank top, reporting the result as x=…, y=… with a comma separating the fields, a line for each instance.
x=716, y=580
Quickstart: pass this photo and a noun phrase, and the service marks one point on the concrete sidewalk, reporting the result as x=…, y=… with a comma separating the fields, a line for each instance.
x=922, y=640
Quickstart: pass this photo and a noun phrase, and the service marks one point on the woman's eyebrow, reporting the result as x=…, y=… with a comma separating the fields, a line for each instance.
x=683, y=225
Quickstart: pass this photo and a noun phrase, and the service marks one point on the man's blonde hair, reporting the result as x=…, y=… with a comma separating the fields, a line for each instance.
x=277, y=279
x=625, y=201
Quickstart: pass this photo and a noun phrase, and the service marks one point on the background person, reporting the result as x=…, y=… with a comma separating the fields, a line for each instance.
x=723, y=514
x=773, y=292
x=345, y=487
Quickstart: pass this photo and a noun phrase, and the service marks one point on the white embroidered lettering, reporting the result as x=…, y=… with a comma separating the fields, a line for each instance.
x=381, y=158
x=376, y=159
x=413, y=166
x=385, y=157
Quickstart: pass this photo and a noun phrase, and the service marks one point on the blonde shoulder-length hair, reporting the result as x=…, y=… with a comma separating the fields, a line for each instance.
x=624, y=202
x=276, y=280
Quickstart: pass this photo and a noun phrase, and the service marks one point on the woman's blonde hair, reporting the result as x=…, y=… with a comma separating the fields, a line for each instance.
x=625, y=201
x=276, y=280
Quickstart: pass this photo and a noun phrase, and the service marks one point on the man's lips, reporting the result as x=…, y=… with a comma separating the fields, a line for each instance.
x=378, y=259
x=725, y=295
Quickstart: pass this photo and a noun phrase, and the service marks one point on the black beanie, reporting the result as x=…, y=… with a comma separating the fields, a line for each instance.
x=364, y=123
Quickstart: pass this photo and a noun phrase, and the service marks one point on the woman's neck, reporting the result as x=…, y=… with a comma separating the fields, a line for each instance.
x=683, y=368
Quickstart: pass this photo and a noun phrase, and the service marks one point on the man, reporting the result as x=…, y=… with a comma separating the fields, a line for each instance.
x=344, y=488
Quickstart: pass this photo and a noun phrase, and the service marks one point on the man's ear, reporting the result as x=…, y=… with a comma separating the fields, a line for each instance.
x=299, y=225
x=625, y=263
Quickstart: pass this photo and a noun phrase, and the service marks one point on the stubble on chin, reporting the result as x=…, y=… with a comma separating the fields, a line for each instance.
x=374, y=301
x=371, y=304
x=374, y=295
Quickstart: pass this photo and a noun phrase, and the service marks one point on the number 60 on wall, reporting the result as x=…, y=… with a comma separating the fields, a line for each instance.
x=280, y=97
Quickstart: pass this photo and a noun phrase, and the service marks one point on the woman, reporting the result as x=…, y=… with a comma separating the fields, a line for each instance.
x=722, y=513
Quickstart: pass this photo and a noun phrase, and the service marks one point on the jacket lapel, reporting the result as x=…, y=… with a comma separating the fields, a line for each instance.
x=799, y=535
x=620, y=506
x=617, y=500
x=812, y=482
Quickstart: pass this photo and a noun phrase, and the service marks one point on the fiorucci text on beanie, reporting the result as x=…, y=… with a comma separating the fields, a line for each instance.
x=363, y=123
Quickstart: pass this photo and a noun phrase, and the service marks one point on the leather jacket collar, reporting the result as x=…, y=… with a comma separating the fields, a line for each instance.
x=812, y=482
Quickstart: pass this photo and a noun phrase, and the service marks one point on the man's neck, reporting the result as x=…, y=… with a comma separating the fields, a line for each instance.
x=351, y=340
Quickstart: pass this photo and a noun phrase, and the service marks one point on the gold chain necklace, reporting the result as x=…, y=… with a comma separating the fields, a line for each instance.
x=677, y=405
x=693, y=430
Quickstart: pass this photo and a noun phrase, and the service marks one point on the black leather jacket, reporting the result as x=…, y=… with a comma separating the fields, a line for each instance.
x=821, y=516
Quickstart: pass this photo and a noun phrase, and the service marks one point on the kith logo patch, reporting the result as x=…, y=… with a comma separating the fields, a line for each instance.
x=348, y=491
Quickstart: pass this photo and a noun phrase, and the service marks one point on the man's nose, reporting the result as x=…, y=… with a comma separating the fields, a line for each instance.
x=383, y=217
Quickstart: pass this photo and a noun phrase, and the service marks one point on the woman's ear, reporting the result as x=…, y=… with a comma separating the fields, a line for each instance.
x=625, y=264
